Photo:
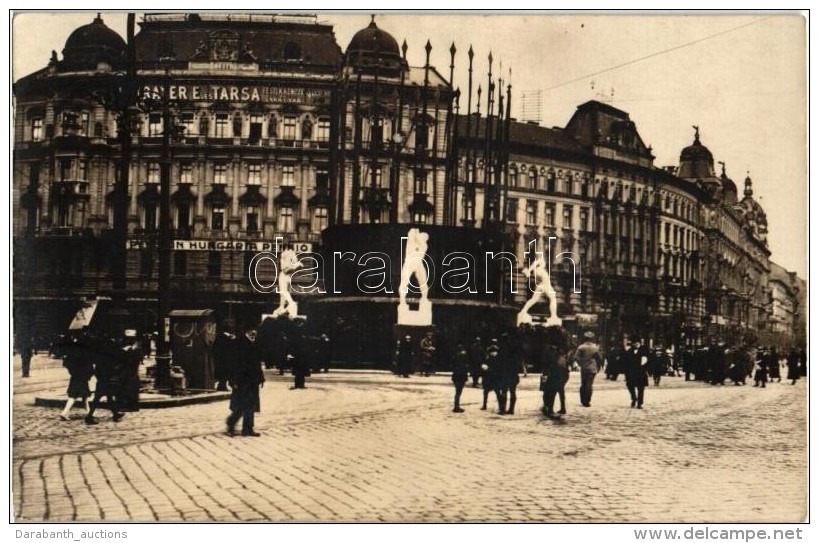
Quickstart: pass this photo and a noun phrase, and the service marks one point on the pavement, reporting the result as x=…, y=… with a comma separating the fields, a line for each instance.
x=370, y=446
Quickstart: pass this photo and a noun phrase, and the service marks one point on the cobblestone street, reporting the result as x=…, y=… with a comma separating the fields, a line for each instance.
x=367, y=446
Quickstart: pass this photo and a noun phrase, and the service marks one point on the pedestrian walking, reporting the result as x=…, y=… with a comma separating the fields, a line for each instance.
x=508, y=378
x=476, y=354
x=404, y=355
x=108, y=369
x=761, y=371
x=773, y=366
x=26, y=353
x=793, y=366
x=636, y=369
x=590, y=360
x=657, y=365
x=428, y=350
x=323, y=353
x=80, y=370
x=299, y=355
x=246, y=379
x=460, y=374
x=555, y=373
x=489, y=371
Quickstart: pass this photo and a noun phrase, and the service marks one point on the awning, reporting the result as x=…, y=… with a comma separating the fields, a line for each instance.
x=252, y=197
x=286, y=198
x=183, y=195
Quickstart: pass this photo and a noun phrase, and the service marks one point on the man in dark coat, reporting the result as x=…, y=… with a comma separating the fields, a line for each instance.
x=635, y=366
x=511, y=358
x=590, y=360
x=490, y=370
x=26, y=353
x=108, y=368
x=476, y=354
x=405, y=355
x=793, y=366
x=300, y=351
x=460, y=374
x=553, y=379
x=245, y=382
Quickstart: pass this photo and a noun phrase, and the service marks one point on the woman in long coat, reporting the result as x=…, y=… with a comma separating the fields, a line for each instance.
x=78, y=361
x=793, y=366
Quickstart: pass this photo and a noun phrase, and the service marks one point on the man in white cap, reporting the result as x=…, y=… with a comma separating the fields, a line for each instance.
x=589, y=359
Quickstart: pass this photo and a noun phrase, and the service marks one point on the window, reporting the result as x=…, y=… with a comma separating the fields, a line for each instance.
x=421, y=183
x=584, y=188
x=379, y=177
x=97, y=130
x=667, y=238
x=85, y=123
x=421, y=137
x=512, y=210
x=550, y=215
x=37, y=129
x=255, y=133
x=222, y=128
x=217, y=217
x=153, y=172
x=252, y=219
x=254, y=174
x=569, y=188
x=186, y=174
x=513, y=177
x=567, y=216
x=550, y=181
x=237, y=126
x=320, y=219
x=322, y=179
x=469, y=208
x=288, y=176
x=289, y=128
x=376, y=131
x=65, y=169
x=584, y=219
x=470, y=173
x=533, y=179
x=186, y=121
x=220, y=174
x=204, y=125
x=82, y=173
x=531, y=212
x=183, y=218
x=286, y=219
x=154, y=125
x=323, y=131
x=214, y=264
x=149, y=217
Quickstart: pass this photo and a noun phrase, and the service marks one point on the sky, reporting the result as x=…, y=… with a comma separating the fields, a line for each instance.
x=740, y=78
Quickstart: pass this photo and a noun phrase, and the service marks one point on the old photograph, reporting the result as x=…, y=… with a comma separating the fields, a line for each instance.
x=408, y=267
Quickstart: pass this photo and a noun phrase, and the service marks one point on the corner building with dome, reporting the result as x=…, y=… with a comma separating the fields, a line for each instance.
x=276, y=132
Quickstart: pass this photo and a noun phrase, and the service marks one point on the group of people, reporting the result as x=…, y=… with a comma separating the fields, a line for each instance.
x=113, y=361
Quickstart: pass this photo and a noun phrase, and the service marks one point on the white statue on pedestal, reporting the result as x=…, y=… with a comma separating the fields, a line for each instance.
x=288, y=264
x=543, y=286
x=414, y=265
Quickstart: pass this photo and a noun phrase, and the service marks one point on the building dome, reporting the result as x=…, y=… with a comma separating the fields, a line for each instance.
x=372, y=40
x=372, y=46
x=729, y=188
x=91, y=44
x=696, y=161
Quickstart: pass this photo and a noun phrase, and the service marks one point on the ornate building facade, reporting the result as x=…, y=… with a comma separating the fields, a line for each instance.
x=265, y=129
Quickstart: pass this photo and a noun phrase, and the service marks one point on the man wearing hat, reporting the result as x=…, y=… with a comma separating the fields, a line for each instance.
x=636, y=369
x=590, y=360
x=247, y=377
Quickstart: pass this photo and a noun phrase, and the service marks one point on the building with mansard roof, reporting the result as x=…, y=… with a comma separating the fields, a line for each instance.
x=277, y=133
x=625, y=233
